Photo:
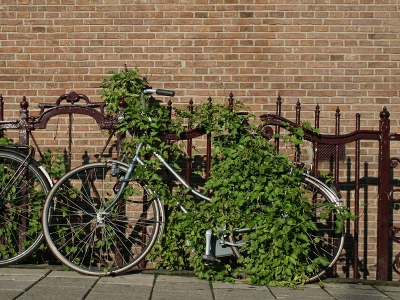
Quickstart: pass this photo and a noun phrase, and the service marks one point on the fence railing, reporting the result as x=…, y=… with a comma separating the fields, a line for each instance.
x=67, y=105
x=324, y=147
x=383, y=137
x=332, y=147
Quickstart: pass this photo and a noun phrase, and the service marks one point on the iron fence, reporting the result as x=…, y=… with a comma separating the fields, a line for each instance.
x=324, y=147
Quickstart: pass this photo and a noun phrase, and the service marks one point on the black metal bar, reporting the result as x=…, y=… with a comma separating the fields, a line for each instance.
x=278, y=128
x=1, y=114
x=189, y=148
x=315, y=143
x=208, y=147
x=356, y=201
x=382, y=272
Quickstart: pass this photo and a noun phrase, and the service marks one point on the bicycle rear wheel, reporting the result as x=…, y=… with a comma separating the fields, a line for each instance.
x=89, y=240
x=328, y=240
x=23, y=190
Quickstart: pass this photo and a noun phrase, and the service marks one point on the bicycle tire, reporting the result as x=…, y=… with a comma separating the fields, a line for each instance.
x=23, y=190
x=327, y=242
x=94, y=244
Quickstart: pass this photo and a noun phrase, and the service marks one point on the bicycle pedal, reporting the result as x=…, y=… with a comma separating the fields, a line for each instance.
x=209, y=259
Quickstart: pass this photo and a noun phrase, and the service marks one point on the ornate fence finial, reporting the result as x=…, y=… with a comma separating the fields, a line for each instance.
x=122, y=102
x=358, y=118
x=278, y=105
x=337, y=115
x=121, y=107
x=209, y=101
x=298, y=109
x=169, y=107
x=384, y=113
x=230, y=101
x=24, y=104
x=191, y=105
x=317, y=112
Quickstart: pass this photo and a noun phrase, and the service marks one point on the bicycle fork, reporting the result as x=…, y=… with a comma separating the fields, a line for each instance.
x=125, y=180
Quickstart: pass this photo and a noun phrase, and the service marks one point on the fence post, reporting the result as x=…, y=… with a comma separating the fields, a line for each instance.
x=1, y=113
x=23, y=122
x=382, y=272
x=278, y=128
x=1, y=108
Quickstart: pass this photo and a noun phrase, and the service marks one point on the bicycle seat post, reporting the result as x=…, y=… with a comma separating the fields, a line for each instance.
x=143, y=100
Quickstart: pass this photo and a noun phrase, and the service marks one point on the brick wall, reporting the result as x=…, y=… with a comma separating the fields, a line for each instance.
x=333, y=53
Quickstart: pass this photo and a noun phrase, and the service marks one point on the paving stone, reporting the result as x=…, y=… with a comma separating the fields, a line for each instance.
x=391, y=291
x=46, y=284
x=54, y=292
x=168, y=278
x=238, y=285
x=135, y=279
x=240, y=290
x=120, y=291
x=31, y=278
x=176, y=288
x=23, y=271
x=242, y=294
x=354, y=292
x=302, y=292
x=132, y=286
x=181, y=295
x=9, y=295
x=87, y=282
x=14, y=281
x=15, y=285
x=69, y=274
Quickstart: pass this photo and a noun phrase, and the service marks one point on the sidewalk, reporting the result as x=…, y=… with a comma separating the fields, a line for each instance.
x=28, y=283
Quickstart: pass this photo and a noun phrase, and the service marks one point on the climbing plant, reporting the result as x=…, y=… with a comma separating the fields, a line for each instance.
x=252, y=186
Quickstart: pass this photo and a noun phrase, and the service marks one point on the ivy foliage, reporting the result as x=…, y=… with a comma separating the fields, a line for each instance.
x=126, y=84
x=252, y=186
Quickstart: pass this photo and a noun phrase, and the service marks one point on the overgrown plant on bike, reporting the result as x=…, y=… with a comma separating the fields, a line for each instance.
x=112, y=213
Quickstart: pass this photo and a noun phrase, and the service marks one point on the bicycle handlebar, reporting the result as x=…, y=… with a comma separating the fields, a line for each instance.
x=159, y=92
x=148, y=90
x=165, y=92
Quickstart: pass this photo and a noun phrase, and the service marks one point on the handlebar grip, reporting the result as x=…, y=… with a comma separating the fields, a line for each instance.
x=165, y=92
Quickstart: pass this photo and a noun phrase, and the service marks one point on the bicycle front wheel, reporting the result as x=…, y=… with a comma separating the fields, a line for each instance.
x=88, y=239
x=23, y=190
x=326, y=242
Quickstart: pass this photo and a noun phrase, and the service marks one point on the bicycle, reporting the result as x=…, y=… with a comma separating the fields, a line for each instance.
x=99, y=220
x=24, y=185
